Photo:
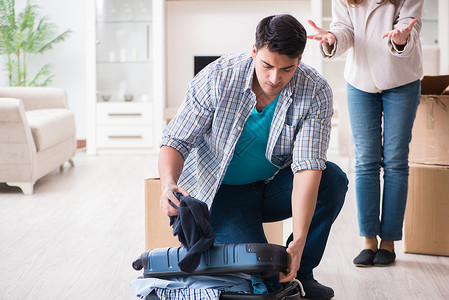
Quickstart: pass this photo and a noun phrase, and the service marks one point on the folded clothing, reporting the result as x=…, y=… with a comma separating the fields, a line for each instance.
x=192, y=226
x=207, y=286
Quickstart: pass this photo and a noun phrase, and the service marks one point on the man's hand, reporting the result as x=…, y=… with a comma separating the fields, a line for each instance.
x=399, y=36
x=294, y=252
x=167, y=196
x=170, y=167
x=321, y=35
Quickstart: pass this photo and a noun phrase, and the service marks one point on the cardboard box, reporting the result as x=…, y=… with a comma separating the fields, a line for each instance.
x=430, y=135
x=426, y=224
x=158, y=232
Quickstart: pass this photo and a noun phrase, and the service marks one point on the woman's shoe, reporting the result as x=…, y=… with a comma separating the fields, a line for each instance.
x=365, y=258
x=384, y=258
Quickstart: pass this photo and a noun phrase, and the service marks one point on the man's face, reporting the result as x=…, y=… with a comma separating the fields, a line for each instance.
x=273, y=70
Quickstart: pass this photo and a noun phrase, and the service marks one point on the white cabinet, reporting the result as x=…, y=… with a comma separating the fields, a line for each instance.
x=124, y=126
x=125, y=113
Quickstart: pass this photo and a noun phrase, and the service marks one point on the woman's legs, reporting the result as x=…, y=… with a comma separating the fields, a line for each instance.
x=399, y=107
x=390, y=151
x=365, y=112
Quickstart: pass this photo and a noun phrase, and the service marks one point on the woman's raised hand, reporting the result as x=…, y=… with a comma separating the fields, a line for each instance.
x=321, y=35
x=399, y=35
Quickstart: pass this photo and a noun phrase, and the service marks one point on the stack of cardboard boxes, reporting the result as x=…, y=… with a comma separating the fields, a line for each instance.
x=426, y=224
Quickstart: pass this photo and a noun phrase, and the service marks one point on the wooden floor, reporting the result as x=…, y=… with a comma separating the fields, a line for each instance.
x=76, y=237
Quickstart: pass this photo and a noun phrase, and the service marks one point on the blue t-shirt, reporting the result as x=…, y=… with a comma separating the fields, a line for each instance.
x=248, y=163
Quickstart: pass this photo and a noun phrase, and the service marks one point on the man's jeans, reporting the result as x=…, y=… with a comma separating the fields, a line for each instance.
x=382, y=145
x=238, y=211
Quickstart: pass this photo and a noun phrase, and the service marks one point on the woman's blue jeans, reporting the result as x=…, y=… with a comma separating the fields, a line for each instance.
x=382, y=129
x=238, y=211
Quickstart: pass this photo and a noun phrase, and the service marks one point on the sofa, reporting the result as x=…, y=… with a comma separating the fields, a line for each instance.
x=37, y=134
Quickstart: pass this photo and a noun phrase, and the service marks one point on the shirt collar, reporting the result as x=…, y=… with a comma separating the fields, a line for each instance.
x=249, y=74
x=287, y=91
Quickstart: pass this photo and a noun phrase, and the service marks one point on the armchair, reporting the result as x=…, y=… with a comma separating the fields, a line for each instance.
x=37, y=134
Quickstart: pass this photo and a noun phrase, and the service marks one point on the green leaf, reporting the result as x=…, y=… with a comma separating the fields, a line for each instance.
x=22, y=37
x=44, y=71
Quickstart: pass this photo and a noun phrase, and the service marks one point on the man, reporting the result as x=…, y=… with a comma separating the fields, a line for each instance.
x=250, y=140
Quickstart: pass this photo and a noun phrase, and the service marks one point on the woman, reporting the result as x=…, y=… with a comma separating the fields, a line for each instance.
x=382, y=71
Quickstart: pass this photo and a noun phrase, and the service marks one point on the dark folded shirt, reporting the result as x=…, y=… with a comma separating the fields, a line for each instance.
x=192, y=226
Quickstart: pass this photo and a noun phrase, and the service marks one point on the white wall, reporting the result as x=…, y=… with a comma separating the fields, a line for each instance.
x=216, y=28
x=443, y=26
x=67, y=57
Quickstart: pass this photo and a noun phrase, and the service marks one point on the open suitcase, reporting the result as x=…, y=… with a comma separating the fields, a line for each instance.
x=255, y=259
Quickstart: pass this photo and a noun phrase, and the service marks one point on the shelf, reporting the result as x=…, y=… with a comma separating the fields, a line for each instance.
x=124, y=62
x=123, y=21
x=221, y=0
x=116, y=106
x=115, y=102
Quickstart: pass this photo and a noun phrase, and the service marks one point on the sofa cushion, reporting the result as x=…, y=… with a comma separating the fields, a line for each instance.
x=50, y=126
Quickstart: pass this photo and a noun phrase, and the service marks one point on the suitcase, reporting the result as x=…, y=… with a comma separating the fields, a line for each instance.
x=255, y=259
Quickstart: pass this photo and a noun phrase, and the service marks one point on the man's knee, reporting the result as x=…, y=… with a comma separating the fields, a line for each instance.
x=336, y=181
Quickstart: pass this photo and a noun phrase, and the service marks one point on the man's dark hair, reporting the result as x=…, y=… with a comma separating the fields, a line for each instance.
x=282, y=34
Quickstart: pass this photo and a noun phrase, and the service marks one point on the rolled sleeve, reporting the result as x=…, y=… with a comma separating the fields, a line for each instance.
x=177, y=145
x=395, y=47
x=327, y=51
x=309, y=164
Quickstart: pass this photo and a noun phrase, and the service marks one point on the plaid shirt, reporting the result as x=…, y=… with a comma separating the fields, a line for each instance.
x=188, y=294
x=218, y=102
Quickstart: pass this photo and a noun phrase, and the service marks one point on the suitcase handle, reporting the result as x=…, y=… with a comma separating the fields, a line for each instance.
x=141, y=262
x=137, y=264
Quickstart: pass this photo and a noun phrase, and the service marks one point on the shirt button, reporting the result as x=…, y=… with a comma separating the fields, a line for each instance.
x=239, y=128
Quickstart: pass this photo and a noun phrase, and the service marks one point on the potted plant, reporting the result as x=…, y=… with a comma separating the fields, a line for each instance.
x=22, y=37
